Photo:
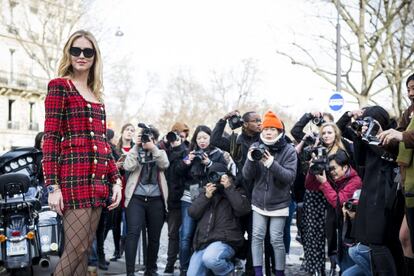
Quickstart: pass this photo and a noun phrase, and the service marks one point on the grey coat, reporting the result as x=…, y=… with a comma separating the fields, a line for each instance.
x=271, y=188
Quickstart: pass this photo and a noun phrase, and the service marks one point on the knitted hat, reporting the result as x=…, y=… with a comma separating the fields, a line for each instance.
x=109, y=134
x=379, y=114
x=217, y=167
x=180, y=127
x=271, y=120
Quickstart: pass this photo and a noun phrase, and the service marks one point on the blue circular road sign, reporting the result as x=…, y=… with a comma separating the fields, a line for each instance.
x=336, y=102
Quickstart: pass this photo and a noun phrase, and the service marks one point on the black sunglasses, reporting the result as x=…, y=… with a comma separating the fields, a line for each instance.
x=87, y=52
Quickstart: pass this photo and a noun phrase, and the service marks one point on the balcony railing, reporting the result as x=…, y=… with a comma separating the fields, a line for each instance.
x=13, y=125
x=22, y=81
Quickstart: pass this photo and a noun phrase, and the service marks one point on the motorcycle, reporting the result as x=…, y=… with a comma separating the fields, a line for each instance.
x=29, y=233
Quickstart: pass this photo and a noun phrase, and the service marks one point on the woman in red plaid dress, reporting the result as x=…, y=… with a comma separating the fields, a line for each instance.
x=78, y=166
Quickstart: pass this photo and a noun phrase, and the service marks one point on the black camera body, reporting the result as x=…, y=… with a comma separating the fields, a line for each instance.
x=318, y=121
x=172, y=137
x=146, y=135
x=258, y=152
x=199, y=154
x=372, y=129
x=321, y=162
x=235, y=121
x=215, y=177
x=351, y=205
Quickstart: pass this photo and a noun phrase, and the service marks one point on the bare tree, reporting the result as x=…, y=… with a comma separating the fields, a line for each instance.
x=43, y=28
x=376, y=49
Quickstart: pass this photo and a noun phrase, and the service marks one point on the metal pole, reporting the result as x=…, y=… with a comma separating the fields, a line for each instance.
x=338, y=50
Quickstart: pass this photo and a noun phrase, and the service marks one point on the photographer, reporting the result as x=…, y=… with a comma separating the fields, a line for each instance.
x=403, y=136
x=146, y=196
x=338, y=182
x=217, y=211
x=193, y=168
x=380, y=209
x=317, y=226
x=176, y=147
x=271, y=165
x=317, y=118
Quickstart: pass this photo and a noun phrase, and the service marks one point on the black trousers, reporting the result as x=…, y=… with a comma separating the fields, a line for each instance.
x=174, y=223
x=409, y=212
x=101, y=233
x=114, y=224
x=148, y=212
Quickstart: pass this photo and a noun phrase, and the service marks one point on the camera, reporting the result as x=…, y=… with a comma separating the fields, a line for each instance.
x=199, y=154
x=172, y=137
x=215, y=177
x=351, y=205
x=371, y=132
x=146, y=135
x=321, y=162
x=258, y=152
x=235, y=121
x=144, y=156
x=318, y=121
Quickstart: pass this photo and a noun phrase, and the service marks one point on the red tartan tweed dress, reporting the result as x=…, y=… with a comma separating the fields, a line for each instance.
x=76, y=155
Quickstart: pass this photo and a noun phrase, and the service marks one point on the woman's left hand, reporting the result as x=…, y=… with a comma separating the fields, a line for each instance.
x=321, y=178
x=116, y=196
x=205, y=160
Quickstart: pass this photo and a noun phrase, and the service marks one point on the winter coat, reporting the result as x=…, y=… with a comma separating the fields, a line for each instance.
x=339, y=192
x=174, y=180
x=271, y=188
x=218, y=217
x=132, y=165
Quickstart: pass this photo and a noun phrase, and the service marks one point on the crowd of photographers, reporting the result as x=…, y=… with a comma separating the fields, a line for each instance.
x=229, y=197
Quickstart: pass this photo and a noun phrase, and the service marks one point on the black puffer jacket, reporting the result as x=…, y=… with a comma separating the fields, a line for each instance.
x=218, y=218
x=174, y=180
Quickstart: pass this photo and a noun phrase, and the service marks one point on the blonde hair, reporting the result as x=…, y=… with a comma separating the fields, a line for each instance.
x=338, y=138
x=95, y=73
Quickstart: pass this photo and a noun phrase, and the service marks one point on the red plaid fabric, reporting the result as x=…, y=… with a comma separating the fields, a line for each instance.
x=76, y=154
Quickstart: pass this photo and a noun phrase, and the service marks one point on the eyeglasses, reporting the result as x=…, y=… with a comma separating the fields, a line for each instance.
x=87, y=52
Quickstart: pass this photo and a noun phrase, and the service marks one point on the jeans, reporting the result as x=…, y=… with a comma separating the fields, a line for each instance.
x=215, y=257
x=276, y=239
x=148, y=212
x=174, y=223
x=360, y=254
x=286, y=231
x=93, y=256
x=345, y=262
x=186, y=235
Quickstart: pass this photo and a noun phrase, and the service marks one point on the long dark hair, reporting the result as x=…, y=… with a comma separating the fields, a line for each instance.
x=193, y=142
x=120, y=145
x=38, y=140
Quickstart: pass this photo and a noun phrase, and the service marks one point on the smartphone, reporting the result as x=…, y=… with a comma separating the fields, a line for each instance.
x=122, y=158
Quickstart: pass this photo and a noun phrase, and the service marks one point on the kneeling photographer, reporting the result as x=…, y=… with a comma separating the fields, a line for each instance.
x=338, y=181
x=218, y=236
x=381, y=205
x=146, y=195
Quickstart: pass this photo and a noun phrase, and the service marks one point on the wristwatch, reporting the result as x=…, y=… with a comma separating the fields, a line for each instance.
x=52, y=188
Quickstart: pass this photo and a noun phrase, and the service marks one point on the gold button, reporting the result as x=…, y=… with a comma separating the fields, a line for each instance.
x=103, y=176
x=95, y=147
x=63, y=138
x=103, y=122
x=88, y=105
x=103, y=135
x=95, y=161
x=90, y=119
x=102, y=108
x=106, y=163
x=92, y=133
x=93, y=175
x=106, y=149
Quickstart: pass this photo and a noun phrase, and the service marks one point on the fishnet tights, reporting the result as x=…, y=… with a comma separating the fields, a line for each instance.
x=79, y=226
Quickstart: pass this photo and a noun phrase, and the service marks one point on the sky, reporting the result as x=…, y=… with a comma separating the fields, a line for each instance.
x=164, y=36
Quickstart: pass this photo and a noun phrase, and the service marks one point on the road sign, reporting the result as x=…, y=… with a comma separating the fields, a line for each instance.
x=336, y=102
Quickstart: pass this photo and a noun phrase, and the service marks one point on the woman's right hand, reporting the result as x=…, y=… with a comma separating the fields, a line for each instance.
x=55, y=201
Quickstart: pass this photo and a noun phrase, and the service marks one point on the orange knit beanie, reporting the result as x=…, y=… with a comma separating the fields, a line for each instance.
x=271, y=120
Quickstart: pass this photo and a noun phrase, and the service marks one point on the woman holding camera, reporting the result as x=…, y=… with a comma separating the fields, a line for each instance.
x=315, y=223
x=146, y=195
x=271, y=165
x=217, y=210
x=338, y=183
x=193, y=169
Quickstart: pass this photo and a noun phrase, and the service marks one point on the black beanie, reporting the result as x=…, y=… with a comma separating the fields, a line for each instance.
x=109, y=134
x=378, y=113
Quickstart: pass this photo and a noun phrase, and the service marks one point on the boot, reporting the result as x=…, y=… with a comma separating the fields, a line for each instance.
x=408, y=266
x=102, y=263
x=115, y=257
x=122, y=246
